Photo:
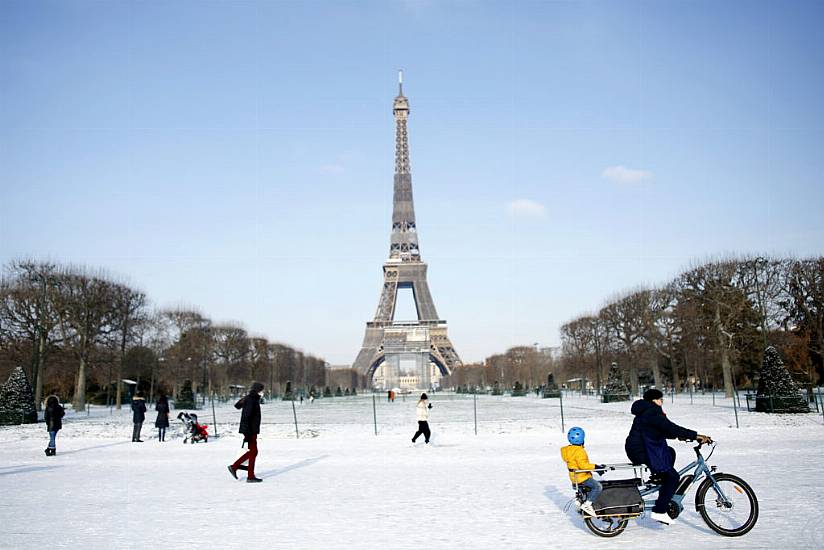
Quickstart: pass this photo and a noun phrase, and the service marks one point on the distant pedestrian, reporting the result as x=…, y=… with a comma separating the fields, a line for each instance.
x=389, y=396
x=162, y=421
x=250, y=428
x=422, y=414
x=54, y=422
x=138, y=416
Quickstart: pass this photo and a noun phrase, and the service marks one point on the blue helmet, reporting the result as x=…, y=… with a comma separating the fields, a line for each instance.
x=576, y=435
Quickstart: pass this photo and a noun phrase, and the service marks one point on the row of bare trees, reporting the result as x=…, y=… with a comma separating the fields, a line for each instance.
x=524, y=364
x=80, y=332
x=708, y=326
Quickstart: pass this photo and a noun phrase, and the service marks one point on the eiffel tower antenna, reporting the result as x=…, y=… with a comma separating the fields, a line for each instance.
x=388, y=341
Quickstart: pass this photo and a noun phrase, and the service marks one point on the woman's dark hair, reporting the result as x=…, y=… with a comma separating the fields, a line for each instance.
x=257, y=386
x=52, y=400
x=162, y=398
x=423, y=396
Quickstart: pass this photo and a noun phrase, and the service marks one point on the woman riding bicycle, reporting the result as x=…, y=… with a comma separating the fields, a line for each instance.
x=647, y=444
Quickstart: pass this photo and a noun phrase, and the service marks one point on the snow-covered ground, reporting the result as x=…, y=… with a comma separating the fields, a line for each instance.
x=340, y=486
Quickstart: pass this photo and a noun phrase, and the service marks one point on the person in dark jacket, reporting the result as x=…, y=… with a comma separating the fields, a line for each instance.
x=54, y=422
x=647, y=444
x=138, y=416
x=162, y=420
x=250, y=428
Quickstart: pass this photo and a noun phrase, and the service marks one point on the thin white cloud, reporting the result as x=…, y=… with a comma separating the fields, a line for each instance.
x=525, y=208
x=622, y=174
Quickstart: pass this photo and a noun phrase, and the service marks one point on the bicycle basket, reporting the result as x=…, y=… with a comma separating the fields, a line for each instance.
x=620, y=497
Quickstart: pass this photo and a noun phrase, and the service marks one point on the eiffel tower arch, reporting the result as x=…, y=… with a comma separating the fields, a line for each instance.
x=405, y=353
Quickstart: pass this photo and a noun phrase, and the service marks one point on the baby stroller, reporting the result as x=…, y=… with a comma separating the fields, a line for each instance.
x=193, y=431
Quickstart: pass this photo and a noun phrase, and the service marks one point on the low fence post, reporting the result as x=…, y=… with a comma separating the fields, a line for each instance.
x=821, y=398
x=374, y=414
x=295, y=414
x=561, y=398
x=735, y=406
x=214, y=416
x=475, y=408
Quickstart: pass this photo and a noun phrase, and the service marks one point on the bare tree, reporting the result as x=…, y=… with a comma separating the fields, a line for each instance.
x=129, y=311
x=86, y=319
x=626, y=319
x=27, y=309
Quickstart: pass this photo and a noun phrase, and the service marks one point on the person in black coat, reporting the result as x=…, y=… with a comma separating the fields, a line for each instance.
x=138, y=416
x=647, y=444
x=54, y=422
x=162, y=420
x=250, y=428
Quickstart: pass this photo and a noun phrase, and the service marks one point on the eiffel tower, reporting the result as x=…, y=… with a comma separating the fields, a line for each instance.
x=389, y=343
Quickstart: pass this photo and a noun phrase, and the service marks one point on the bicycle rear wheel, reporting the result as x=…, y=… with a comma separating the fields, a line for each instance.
x=605, y=526
x=731, y=509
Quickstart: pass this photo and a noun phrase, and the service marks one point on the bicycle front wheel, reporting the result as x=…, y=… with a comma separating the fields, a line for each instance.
x=730, y=508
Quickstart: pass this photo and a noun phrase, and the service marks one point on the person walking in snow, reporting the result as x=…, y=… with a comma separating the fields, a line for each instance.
x=54, y=422
x=162, y=420
x=647, y=444
x=422, y=414
x=576, y=458
x=250, y=428
x=138, y=416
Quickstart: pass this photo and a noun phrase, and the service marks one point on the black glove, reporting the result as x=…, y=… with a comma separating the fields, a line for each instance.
x=600, y=468
x=430, y=406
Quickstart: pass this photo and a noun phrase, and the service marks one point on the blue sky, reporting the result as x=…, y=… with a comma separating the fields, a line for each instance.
x=238, y=155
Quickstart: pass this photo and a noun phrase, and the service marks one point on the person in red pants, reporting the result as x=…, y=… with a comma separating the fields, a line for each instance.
x=250, y=428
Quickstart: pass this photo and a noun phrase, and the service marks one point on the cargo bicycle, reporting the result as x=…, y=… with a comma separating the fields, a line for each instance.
x=726, y=503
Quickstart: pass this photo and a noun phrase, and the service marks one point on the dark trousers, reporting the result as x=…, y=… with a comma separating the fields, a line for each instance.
x=669, y=483
x=249, y=455
x=161, y=434
x=136, y=432
x=423, y=428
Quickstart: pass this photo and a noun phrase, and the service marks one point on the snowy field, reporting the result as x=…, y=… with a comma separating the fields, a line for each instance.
x=340, y=486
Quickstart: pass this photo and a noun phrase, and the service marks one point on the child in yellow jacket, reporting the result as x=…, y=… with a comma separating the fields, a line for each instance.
x=576, y=458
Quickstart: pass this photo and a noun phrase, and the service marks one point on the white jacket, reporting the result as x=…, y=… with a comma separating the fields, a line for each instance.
x=422, y=410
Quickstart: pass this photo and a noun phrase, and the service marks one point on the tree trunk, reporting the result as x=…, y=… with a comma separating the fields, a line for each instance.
x=676, y=376
x=79, y=402
x=39, y=372
x=118, y=400
x=119, y=383
x=726, y=368
x=633, y=377
x=656, y=372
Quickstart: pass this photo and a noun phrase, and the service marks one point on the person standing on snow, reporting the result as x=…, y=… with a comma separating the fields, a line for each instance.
x=647, y=444
x=162, y=421
x=422, y=414
x=54, y=422
x=250, y=428
x=138, y=416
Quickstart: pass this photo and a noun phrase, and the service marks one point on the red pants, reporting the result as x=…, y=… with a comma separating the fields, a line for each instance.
x=249, y=455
